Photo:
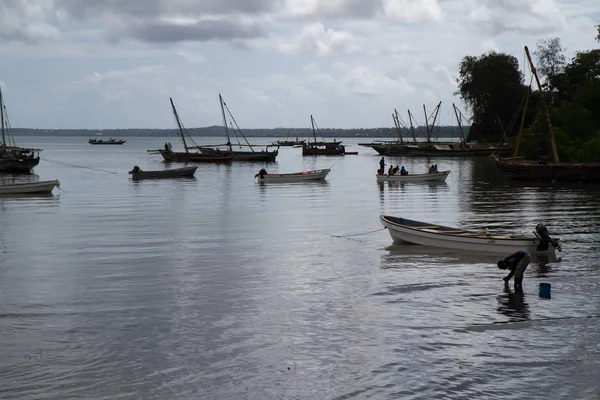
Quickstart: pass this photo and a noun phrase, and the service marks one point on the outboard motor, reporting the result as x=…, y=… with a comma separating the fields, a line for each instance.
x=542, y=233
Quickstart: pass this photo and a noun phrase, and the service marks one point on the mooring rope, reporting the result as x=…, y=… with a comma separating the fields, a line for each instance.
x=359, y=234
x=66, y=164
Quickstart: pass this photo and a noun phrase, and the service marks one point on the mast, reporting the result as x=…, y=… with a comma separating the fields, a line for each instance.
x=312, y=122
x=181, y=133
x=2, y=117
x=427, y=124
x=550, y=128
x=459, y=123
x=412, y=128
x=397, y=123
x=225, y=122
x=527, y=93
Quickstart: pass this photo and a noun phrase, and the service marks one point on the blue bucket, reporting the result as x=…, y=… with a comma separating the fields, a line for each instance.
x=545, y=290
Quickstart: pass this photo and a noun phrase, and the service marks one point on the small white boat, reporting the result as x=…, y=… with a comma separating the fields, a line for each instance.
x=31, y=187
x=407, y=231
x=434, y=177
x=305, y=176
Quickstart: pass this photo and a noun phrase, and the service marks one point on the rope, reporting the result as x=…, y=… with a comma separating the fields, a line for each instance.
x=359, y=234
x=65, y=164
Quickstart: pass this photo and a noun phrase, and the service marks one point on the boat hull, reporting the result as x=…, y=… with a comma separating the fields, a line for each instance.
x=27, y=188
x=107, y=142
x=308, y=176
x=436, y=177
x=405, y=231
x=442, y=149
x=323, y=149
x=171, y=156
x=255, y=156
x=186, y=172
x=524, y=170
x=18, y=165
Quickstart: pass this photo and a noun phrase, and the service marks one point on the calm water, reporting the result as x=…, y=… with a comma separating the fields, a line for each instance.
x=219, y=288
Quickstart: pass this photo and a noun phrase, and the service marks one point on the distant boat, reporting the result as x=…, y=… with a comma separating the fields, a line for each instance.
x=13, y=158
x=305, y=176
x=407, y=231
x=95, y=140
x=138, y=174
x=433, y=177
x=322, y=148
x=264, y=155
x=29, y=188
x=289, y=143
x=188, y=156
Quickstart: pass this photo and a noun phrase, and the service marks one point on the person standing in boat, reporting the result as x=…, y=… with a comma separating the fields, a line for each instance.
x=382, y=164
x=516, y=263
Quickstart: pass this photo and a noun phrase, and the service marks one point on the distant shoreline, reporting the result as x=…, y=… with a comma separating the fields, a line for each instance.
x=217, y=131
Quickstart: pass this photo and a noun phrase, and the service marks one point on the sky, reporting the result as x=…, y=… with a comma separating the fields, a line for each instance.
x=109, y=64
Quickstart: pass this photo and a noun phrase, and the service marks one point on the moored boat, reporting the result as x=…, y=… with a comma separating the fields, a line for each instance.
x=304, y=176
x=322, y=148
x=138, y=174
x=29, y=187
x=14, y=159
x=407, y=231
x=264, y=155
x=188, y=156
x=432, y=177
x=106, y=141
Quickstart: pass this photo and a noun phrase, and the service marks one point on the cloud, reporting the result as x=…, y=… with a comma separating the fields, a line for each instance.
x=25, y=21
x=169, y=30
x=315, y=39
x=500, y=16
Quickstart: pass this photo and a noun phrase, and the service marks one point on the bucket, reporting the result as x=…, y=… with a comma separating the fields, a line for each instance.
x=545, y=290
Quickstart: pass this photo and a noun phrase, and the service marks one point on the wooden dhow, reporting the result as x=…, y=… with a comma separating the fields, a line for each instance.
x=14, y=159
x=188, y=156
x=518, y=168
x=264, y=155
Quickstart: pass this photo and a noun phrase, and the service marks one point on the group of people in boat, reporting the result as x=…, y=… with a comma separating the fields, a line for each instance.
x=168, y=147
x=433, y=169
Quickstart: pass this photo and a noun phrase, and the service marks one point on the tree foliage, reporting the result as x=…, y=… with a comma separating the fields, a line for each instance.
x=574, y=112
x=491, y=85
x=550, y=58
x=598, y=29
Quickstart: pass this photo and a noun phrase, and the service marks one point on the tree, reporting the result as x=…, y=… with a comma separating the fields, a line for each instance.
x=550, y=58
x=491, y=85
x=598, y=28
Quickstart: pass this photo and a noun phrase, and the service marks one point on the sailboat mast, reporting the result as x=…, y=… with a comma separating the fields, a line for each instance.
x=225, y=122
x=397, y=122
x=181, y=133
x=520, y=134
x=312, y=122
x=427, y=124
x=412, y=128
x=459, y=123
x=550, y=128
x=2, y=117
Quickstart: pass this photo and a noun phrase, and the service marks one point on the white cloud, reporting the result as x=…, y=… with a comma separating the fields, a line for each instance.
x=25, y=21
x=314, y=38
x=413, y=11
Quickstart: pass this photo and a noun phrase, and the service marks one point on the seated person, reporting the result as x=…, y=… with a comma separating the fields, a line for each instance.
x=403, y=171
x=395, y=170
x=391, y=170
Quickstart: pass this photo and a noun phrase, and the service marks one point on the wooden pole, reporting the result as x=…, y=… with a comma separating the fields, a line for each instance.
x=550, y=128
x=181, y=133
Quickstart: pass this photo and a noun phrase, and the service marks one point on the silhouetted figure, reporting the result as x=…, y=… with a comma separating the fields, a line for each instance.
x=516, y=263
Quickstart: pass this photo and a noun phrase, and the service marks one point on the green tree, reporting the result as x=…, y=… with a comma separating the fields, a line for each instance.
x=550, y=58
x=598, y=28
x=491, y=85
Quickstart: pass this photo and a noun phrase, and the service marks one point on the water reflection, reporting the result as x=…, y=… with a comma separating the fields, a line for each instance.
x=513, y=305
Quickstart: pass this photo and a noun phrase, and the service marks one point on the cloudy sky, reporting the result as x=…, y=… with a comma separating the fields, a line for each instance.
x=115, y=63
